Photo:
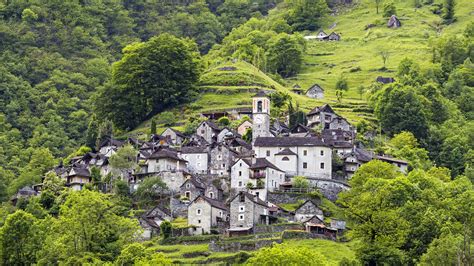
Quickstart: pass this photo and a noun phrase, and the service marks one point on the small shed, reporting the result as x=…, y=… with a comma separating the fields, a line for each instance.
x=394, y=22
x=384, y=80
x=315, y=92
x=321, y=35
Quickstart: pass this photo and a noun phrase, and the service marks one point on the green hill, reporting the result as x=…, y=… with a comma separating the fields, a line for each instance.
x=356, y=57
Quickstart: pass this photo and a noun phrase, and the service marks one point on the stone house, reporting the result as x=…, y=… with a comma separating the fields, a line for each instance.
x=197, y=158
x=313, y=156
x=165, y=160
x=321, y=115
x=394, y=22
x=240, y=174
x=243, y=127
x=240, y=146
x=354, y=159
x=247, y=211
x=78, y=177
x=109, y=146
x=321, y=35
x=340, y=123
x=265, y=177
x=227, y=133
x=315, y=92
x=300, y=130
x=192, y=188
x=279, y=128
x=222, y=157
x=97, y=160
x=206, y=213
x=340, y=141
x=307, y=210
x=176, y=137
x=152, y=219
x=213, y=190
x=401, y=164
x=208, y=130
x=333, y=37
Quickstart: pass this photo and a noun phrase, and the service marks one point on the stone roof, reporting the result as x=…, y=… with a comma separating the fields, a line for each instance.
x=315, y=87
x=325, y=108
x=289, y=142
x=214, y=203
x=165, y=153
x=252, y=198
x=385, y=80
x=111, y=142
x=260, y=93
x=211, y=125
x=390, y=159
x=360, y=154
x=263, y=163
x=304, y=203
x=193, y=180
x=286, y=151
x=178, y=133
x=193, y=149
x=80, y=171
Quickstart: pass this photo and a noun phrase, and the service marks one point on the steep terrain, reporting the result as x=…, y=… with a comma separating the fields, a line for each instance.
x=356, y=57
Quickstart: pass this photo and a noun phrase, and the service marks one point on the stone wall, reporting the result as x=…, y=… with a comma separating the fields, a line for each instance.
x=236, y=246
x=277, y=228
x=329, y=188
x=285, y=197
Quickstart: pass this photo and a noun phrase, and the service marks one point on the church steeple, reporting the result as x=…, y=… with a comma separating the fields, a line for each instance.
x=261, y=116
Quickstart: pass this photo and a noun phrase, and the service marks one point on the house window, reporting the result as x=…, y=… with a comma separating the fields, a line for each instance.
x=240, y=183
x=240, y=164
x=285, y=159
x=198, y=212
x=257, y=194
x=188, y=185
x=199, y=156
x=259, y=106
x=241, y=208
x=187, y=194
x=305, y=152
x=211, y=195
x=199, y=221
x=322, y=166
x=268, y=152
x=305, y=165
x=202, y=131
x=241, y=217
x=198, y=164
x=223, y=165
x=242, y=197
x=219, y=157
x=322, y=153
x=240, y=173
x=220, y=213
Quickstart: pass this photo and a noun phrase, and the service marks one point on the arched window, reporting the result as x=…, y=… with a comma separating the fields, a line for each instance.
x=285, y=159
x=259, y=106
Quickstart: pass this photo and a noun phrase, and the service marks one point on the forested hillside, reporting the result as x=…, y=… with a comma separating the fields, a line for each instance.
x=74, y=73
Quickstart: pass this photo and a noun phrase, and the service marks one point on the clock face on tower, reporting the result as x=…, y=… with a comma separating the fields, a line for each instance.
x=258, y=120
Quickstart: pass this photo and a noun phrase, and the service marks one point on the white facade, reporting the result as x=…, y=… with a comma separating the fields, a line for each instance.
x=240, y=175
x=311, y=161
x=165, y=165
x=261, y=117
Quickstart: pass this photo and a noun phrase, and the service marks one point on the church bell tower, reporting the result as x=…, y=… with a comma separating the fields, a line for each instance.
x=261, y=116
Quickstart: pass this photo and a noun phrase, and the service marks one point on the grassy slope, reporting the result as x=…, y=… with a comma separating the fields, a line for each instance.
x=325, y=62
x=198, y=254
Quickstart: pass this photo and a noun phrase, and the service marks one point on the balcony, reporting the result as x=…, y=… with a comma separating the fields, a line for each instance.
x=258, y=175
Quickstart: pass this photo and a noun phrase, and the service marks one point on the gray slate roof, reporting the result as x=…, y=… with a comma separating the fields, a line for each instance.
x=325, y=108
x=289, y=142
x=165, y=153
x=263, y=163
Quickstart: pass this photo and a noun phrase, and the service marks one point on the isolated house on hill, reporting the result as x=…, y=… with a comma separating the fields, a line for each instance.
x=394, y=22
x=333, y=37
x=321, y=35
x=315, y=92
x=78, y=177
x=243, y=127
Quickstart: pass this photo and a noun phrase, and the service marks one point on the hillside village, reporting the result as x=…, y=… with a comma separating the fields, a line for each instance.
x=222, y=184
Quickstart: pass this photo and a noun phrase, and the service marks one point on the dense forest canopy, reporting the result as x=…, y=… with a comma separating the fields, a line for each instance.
x=73, y=73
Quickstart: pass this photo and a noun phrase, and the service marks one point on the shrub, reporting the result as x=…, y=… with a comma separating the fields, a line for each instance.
x=389, y=9
x=223, y=121
x=167, y=118
x=166, y=229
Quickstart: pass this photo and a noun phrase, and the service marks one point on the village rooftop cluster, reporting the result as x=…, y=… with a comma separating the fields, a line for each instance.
x=222, y=184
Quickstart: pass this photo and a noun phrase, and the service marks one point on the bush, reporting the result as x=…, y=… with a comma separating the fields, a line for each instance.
x=167, y=118
x=223, y=121
x=389, y=9
x=166, y=229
